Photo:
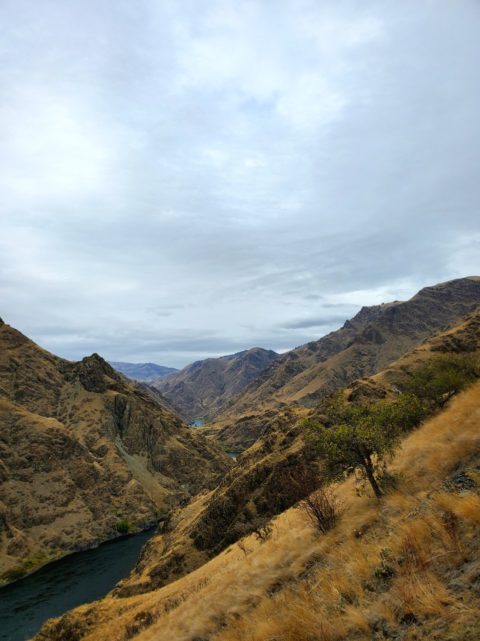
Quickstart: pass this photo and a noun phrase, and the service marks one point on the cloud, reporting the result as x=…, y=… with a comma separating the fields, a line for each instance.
x=307, y=323
x=183, y=180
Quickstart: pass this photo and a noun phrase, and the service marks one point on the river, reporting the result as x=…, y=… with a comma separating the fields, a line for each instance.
x=60, y=586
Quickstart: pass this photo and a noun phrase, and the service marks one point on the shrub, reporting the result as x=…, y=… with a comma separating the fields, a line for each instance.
x=441, y=378
x=123, y=526
x=263, y=532
x=321, y=508
x=365, y=436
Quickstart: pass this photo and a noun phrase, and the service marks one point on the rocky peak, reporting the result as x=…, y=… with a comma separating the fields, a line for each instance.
x=94, y=373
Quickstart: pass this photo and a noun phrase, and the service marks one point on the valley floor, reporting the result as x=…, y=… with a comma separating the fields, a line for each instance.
x=406, y=567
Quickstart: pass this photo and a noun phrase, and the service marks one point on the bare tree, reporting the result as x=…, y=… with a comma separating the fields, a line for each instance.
x=322, y=508
x=316, y=499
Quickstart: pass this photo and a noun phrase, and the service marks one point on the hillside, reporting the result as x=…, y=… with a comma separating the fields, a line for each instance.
x=84, y=455
x=145, y=372
x=366, y=344
x=257, y=488
x=405, y=568
x=239, y=434
x=204, y=387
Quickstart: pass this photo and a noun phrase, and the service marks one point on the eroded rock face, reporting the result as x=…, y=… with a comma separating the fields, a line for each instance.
x=256, y=489
x=82, y=450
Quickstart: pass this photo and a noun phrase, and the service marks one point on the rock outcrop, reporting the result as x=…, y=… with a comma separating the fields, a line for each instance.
x=84, y=454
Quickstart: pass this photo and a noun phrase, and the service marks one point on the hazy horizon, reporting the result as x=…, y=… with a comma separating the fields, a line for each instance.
x=183, y=181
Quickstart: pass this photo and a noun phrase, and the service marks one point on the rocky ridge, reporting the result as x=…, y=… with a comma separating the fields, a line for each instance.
x=84, y=456
x=366, y=344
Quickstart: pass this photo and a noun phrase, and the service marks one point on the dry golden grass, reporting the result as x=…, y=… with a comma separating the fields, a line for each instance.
x=386, y=565
x=418, y=594
x=411, y=526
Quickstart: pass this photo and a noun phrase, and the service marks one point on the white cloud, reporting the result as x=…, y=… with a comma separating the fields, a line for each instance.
x=180, y=179
x=55, y=150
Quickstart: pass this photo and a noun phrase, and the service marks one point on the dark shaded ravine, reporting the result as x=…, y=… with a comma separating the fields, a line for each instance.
x=60, y=586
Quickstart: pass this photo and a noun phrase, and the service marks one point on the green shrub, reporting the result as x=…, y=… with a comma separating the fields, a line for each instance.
x=360, y=438
x=123, y=526
x=441, y=378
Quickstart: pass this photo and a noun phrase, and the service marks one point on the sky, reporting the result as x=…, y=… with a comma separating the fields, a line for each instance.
x=184, y=179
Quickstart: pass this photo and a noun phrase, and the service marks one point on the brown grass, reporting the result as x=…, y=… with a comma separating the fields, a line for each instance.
x=388, y=563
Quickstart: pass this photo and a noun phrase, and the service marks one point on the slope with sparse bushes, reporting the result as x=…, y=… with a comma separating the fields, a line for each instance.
x=405, y=567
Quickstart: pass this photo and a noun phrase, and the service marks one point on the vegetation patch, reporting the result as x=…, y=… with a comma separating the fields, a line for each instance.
x=123, y=526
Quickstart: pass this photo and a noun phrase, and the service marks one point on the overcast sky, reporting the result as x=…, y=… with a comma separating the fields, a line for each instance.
x=188, y=178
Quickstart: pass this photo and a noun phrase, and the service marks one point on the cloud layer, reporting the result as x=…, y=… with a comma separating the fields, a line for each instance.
x=185, y=179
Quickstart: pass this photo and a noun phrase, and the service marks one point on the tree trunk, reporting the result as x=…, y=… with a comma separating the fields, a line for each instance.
x=368, y=465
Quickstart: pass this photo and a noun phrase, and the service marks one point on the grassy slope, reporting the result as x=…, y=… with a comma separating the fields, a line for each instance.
x=298, y=586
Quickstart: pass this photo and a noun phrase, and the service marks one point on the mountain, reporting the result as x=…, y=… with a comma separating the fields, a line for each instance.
x=401, y=568
x=256, y=489
x=85, y=455
x=145, y=372
x=204, y=387
x=365, y=344
x=242, y=432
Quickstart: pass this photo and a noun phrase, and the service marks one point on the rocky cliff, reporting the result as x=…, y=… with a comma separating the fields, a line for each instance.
x=84, y=455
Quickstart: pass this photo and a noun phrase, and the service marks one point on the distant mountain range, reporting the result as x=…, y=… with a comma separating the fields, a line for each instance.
x=203, y=388
x=366, y=344
x=257, y=379
x=145, y=372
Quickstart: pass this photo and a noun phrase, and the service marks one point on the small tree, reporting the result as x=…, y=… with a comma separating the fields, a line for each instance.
x=364, y=436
